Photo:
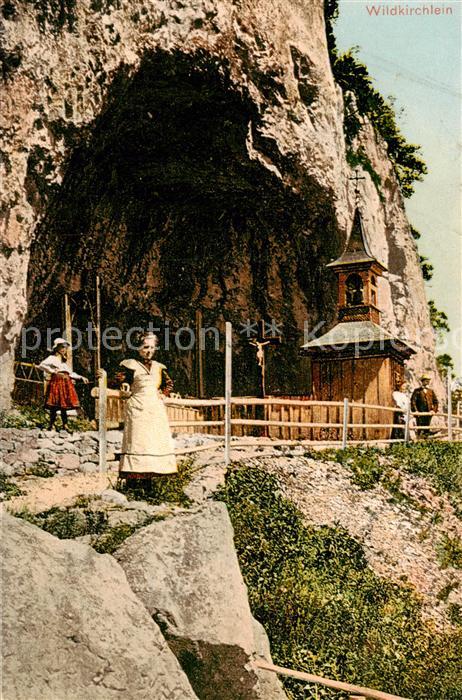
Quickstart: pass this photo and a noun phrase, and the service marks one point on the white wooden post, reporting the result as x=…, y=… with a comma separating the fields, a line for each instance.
x=407, y=423
x=346, y=411
x=449, y=407
x=67, y=326
x=102, y=409
x=228, y=389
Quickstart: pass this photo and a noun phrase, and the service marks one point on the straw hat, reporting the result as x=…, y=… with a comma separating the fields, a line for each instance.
x=59, y=341
x=426, y=376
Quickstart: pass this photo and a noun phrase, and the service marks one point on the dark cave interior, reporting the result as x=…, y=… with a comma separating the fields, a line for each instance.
x=162, y=200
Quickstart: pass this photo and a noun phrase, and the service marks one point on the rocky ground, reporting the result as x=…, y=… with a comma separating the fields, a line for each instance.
x=186, y=602
x=402, y=537
x=402, y=541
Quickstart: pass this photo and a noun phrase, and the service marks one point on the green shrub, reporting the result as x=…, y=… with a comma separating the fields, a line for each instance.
x=112, y=538
x=79, y=519
x=168, y=488
x=8, y=488
x=364, y=463
x=14, y=419
x=359, y=157
x=450, y=552
x=67, y=523
x=40, y=469
x=324, y=609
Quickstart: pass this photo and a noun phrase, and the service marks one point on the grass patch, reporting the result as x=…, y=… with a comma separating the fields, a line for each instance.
x=8, y=488
x=439, y=462
x=164, y=489
x=446, y=591
x=67, y=523
x=325, y=610
x=111, y=539
x=108, y=541
x=80, y=519
x=30, y=416
x=450, y=552
x=41, y=469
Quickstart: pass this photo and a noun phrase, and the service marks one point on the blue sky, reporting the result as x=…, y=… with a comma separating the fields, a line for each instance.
x=416, y=59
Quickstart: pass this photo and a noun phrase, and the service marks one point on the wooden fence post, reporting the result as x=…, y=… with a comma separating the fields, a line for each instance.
x=67, y=326
x=407, y=423
x=228, y=389
x=346, y=412
x=102, y=410
x=449, y=407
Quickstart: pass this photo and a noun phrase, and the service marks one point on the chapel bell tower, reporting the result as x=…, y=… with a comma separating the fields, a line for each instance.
x=357, y=271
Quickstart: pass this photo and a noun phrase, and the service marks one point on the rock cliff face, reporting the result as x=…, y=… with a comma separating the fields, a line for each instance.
x=193, y=155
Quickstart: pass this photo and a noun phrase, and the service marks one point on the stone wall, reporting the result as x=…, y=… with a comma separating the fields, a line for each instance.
x=26, y=451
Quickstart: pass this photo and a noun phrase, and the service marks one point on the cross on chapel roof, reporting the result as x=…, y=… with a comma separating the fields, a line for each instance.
x=356, y=249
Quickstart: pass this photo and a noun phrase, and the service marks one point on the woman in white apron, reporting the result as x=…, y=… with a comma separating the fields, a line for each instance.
x=147, y=445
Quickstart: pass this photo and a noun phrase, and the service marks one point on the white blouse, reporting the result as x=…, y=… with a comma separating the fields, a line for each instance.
x=401, y=400
x=52, y=364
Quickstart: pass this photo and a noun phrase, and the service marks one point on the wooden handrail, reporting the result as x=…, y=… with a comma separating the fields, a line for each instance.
x=194, y=402
x=194, y=423
x=337, y=685
x=250, y=401
x=282, y=423
x=376, y=407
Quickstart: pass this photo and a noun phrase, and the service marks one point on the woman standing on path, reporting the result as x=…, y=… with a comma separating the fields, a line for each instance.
x=60, y=394
x=402, y=401
x=147, y=445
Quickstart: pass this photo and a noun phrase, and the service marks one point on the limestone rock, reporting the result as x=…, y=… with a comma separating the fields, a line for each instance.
x=89, y=467
x=185, y=570
x=113, y=436
x=72, y=627
x=285, y=113
x=68, y=461
x=126, y=517
x=113, y=496
x=271, y=687
x=205, y=482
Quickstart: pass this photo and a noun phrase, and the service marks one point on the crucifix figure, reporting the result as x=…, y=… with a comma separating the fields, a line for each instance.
x=260, y=342
x=356, y=178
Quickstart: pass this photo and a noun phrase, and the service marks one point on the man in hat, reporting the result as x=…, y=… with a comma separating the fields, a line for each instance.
x=423, y=400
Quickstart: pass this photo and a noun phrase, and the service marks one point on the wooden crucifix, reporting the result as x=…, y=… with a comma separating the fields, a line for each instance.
x=260, y=342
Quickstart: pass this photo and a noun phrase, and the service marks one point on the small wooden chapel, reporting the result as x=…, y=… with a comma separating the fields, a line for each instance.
x=357, y=358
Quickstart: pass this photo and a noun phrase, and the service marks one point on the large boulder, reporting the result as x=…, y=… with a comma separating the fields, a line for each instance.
x=74, y=629
x=186, y=572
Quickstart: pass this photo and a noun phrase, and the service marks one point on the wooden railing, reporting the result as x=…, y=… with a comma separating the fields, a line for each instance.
x=295, y=420
x=286, y=420
x=362, y=693
x=29, y=385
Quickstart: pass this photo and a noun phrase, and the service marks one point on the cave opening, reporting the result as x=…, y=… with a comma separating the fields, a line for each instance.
x=164, y=198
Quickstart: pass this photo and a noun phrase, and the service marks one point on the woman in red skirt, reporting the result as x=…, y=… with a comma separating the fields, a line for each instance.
x=61, y=394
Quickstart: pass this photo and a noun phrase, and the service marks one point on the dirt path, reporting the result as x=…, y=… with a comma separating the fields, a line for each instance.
x=41, y=494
